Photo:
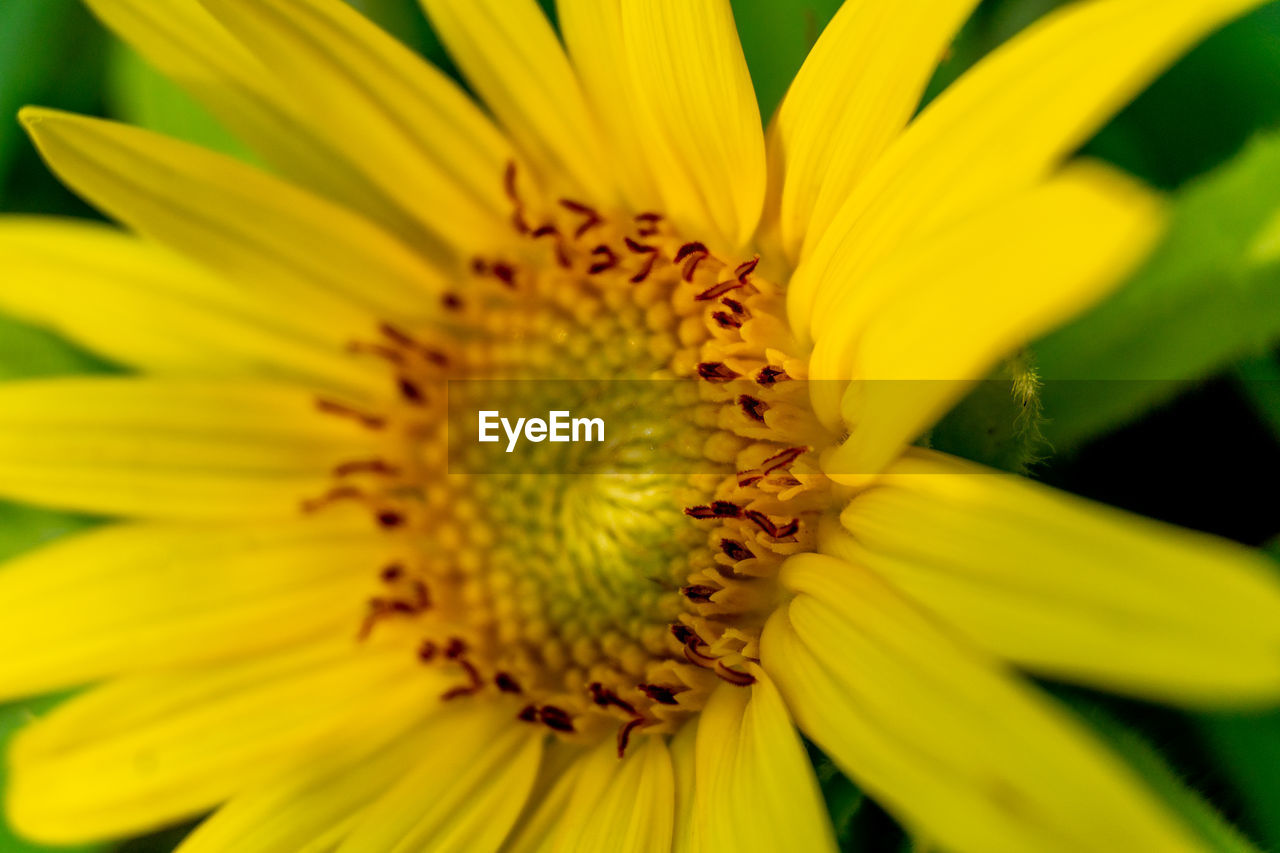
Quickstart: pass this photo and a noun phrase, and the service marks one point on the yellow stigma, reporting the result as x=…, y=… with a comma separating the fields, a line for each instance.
x=623, y=580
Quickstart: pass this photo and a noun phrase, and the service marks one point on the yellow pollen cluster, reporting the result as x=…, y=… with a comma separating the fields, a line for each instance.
x=619, y=586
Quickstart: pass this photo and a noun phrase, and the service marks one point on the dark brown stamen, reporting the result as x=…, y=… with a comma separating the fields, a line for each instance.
x=663, y=694
x=556, y=719
x=610, y=260
x=427, y=651
x=410, y=391
x=513, y=194
x=718, y=290
x=699, y=593
x=392, y=573
x=331, y=407
x=771, y=376
x=528, y=714
x=741, y=679
x=624, y=734
x=648, y=223
x=506, y=683
x=727, y=320
x=604, y=697
x=390, y=519
x=714, y=371
x=744, y=271
x=593, y=218
x=366, y=466
x=753, y=408
x=735, y=550
x=783, y=459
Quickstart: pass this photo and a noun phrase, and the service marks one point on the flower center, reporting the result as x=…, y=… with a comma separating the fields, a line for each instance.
x=618, y=583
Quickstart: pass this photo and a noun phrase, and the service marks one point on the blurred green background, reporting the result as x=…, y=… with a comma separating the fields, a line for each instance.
x=1188, y=432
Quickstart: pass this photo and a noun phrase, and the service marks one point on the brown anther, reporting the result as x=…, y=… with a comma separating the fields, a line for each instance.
x=505, y=273
x=610, y=260
x=624, y=734
x=410, y=391
x=699, y=593
x=727, y=320
x=646, y=270
x=331, y=407
x=697, y=658
x=769, y=376
x=753, y=408
x=390, y=519
x=427, y=651
x=334, y=495
x=689, y=250
x=509, y=184
x=749, y=478
x=663, y=694
x=479, y=266
x=366, y=466
x=409, y=342
x=455, y=648
x=451, y=302
x=783, y=459
x=766, y=524
x=683, y=633
x=556, y=719
x=648, y=223
x=744, y=271
x=473, y=685
x=549, y=230
x=735, y=550
x=506, y=683
x=716, y=509
x=718, y=290
x=714, y=371
x=592, y=217
x=741, y=679
x=392, y=573
x=528, y=714
x=640, y=248
x=604, y=697
x=385, y=353
x=734, y=305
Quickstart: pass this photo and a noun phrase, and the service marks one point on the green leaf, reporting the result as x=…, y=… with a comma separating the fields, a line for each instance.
x=1208, y=296
x=776, y=38
x=28, y=352
x=998, y=423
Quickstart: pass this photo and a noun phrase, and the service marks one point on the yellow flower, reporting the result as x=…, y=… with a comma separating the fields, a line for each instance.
x=304, y=622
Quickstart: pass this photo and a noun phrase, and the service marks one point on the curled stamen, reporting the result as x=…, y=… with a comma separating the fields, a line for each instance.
x=332, y=407
x=741, y=679
x=718, y=290
x=604, y=697
x=766, y=524
x=744, y=271
x=610, y=260
x=509, y=184
x=550, y=230
x=624, y=734
x=648, y=223
x=593, y=218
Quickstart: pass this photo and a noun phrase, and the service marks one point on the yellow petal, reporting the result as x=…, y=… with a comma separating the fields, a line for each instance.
x=535, y=830
x=592, y=31
x=962, y=753
x=474, y=773
x=683, y=760
x=854, y=94
x=754, y=786
x=242, y=222
x=185, y=42
x=169, y=449
x=1001, y=128
x=509, y=53
x=149, y=750
x=698, y=117
x=139, y=597
x=622, y=805
x=311, y=806
x=411, y=130
x=931, y=322
x=147, y=308
x=1070, y=589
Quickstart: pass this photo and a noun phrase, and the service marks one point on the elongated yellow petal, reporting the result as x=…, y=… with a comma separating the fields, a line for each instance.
x=754, y=788
x=855, y=93
x=683, y=749
x=169, y=449
x=999, y=129
x=139, y=597
x=1072, y=589
x=242, y=222
x=698, y=116
x=311, y=806
x=473, y=775
x=535, y=830
x=145, y=307
x=151, y=749
x=930, y=322
x=593, y=34
x=510, y=54
x=625, y=805
x=185, y=42
x=961, y=752
x=411, y=130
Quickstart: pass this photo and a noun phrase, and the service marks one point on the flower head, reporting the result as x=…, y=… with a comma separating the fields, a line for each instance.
x=321, y=618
